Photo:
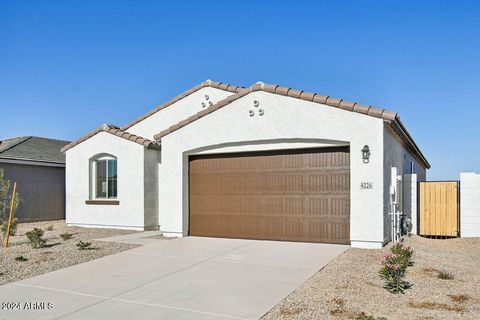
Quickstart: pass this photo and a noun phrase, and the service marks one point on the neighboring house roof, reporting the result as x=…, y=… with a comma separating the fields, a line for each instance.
x=109, y=128
x=32, y=148
x=388, y=116
x=207, y=83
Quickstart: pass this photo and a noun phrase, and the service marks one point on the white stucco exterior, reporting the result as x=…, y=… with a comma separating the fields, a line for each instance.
x=397, y=155
x=137, y=193
x=181, y=110
x=286, y=119
x=469, y=204
x=153, y=185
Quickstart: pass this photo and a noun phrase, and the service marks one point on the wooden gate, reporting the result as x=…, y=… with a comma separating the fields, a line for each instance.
x=439, y=208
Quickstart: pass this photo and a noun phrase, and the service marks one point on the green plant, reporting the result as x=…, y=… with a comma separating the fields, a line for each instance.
x=406, y=252
x=65, y=236
x=20, y=258
x=445, y=275
x=394, y=268
x=4, y=226
x=393, y=272
x=363, y=316
x=83, y=245
x=35, y=238
x=5, y=202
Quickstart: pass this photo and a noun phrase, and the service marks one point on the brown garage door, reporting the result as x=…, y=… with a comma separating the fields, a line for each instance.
x=297, y=195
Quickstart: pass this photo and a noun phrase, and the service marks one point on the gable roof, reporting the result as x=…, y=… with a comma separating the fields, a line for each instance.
x=388, y=116
x=207, y=83
x=33, y=149
x=111, y=129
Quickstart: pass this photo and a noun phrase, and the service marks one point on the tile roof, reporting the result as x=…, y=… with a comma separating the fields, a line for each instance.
x=110, y=128
x=33, y=148
x=388, y=116
x=207, y=83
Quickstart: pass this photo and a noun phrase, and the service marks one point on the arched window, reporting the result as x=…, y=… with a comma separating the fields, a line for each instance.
x=104, y=177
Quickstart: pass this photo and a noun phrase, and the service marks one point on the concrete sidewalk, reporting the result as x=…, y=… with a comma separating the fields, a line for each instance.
x=187, y=278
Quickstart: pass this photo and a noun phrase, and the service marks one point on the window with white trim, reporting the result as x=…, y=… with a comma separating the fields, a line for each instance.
x=105, y=178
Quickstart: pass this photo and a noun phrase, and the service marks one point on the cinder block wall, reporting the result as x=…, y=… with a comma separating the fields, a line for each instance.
x=469, y=204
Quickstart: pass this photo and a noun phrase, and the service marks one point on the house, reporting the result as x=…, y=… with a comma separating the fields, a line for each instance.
x=38, y=167
x=263, y=162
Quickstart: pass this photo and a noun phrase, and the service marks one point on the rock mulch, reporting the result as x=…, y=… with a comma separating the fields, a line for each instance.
x=350, y=285
x=58, y=253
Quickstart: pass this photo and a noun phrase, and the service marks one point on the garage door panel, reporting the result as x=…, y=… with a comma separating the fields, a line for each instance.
x=289, y=195
x=247, y=205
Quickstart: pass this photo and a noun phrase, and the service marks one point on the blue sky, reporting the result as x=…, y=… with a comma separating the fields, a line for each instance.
x=68, y=66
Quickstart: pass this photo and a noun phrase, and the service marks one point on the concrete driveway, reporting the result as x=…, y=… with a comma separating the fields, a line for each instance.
x=187, y=278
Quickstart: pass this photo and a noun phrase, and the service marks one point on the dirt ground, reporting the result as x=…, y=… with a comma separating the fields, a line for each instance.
x=351, y=285
x=58, y=253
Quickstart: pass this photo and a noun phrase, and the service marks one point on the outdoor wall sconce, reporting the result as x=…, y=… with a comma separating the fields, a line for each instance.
x=366, y=154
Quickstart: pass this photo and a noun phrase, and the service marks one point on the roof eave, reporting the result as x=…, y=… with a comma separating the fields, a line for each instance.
x=115, y=131
x=400, y=129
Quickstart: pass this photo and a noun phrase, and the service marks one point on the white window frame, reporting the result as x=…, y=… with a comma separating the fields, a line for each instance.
x=93, y=177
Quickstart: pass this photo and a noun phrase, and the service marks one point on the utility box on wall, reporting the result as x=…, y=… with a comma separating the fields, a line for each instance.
x=469, y=204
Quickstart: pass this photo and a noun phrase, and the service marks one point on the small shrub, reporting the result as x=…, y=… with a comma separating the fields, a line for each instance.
x=20, y=258
x=83, y=245
x=406, y=252
x=66, y=236
x=394, y=268
x=13, y=226
x=393, y=272
x=35, y=238
x=445, y=275
x=363, y=316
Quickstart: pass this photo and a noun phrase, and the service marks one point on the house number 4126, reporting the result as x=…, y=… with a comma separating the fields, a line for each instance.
x=366, y=185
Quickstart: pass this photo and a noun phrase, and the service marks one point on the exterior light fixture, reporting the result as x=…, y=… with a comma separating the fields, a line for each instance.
x=366, y=154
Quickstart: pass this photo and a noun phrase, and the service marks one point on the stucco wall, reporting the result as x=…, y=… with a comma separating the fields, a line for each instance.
x=396, y=155
x=410, y=200
x=151, y=162
x=130, y=213
x=177, y=112
x=469, y=204
x=41, y=190
x=285, y=120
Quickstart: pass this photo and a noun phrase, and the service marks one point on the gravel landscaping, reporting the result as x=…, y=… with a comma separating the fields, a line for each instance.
x=58, y=253
x=350, y=285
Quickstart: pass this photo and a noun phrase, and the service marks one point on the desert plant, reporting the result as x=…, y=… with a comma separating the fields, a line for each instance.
x=393, y=272
x=5, y=201
x=405, y=252
x=83, y=245
x=4, y=226
x=35, y=238
x=6, y=196
x=445, y=275
x=65, y=236
x=363, y=316
x=20, y=258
